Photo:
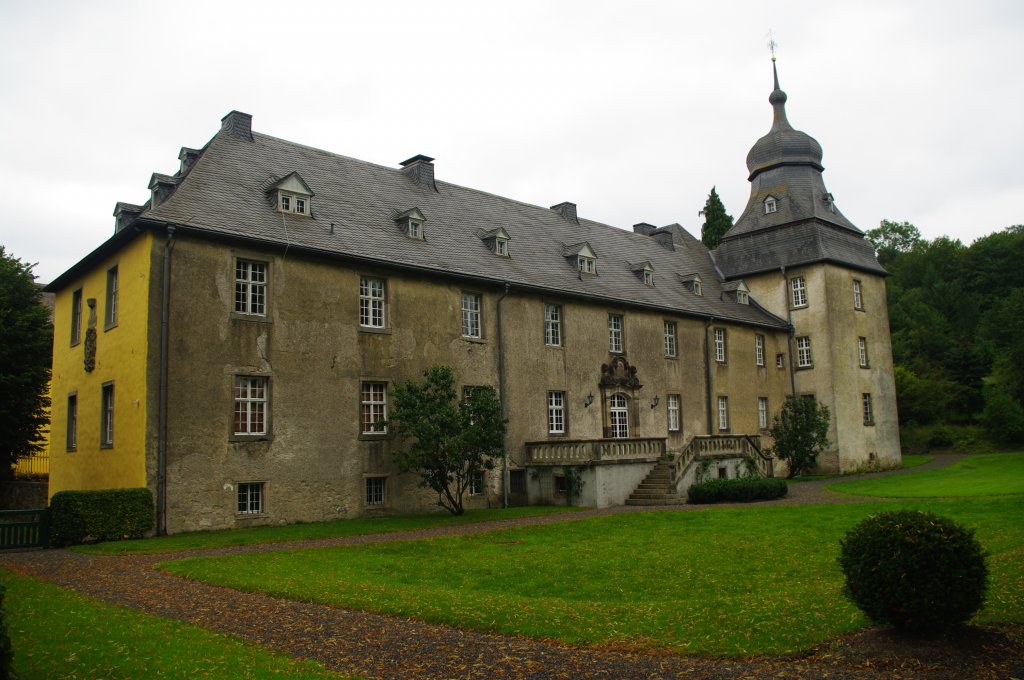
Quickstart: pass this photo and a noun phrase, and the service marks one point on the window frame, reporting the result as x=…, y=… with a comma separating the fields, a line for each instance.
x=762, y=413
x=253, y=403
x=771, y=205
x=107, y=405
x=673, y=412
x=616, y=333
x=76, y=316
x=477, y=483
x=648, y=277
x=372, y=305
x=867, y=408
x=71, y=422
x=862, y=352
x=804, y=358
x=501, y=246
x=254, y=291
x=373, y=408
x=798, y=292
x=557, y=422
x=111, y=301
x=858, y=296
x=470, y=315
x=671, y=339
x=372, y=496
x=586, y=265
x=552, y=325
x=759, y=350
x=721, y=346
x=723, y=413
x=414, y=228
x=618, y=416
x=254, y=493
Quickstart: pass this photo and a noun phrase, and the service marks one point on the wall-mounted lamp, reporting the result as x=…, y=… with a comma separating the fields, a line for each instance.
x=589, y=400
x=654, y=403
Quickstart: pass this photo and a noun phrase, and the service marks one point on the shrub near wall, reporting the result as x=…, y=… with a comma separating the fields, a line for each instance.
x=110, y=515
x=742, y=490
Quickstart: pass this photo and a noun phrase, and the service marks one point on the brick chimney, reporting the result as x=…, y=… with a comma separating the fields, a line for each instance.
x=421, y=169
x=237, y=124
x=567, y=210
x=644, y=228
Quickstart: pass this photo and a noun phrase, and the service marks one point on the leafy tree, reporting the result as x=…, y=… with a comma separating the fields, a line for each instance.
x=1003, y=416
x=26, y=342
x=800, y=433
x=452, y=440
x=716, y=221
x=891, y=238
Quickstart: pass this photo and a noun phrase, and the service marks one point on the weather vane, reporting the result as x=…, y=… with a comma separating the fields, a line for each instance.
x=771, y=43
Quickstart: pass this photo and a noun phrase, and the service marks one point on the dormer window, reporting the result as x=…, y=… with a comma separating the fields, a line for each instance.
x=411, y=223
x=738, y=291
x=583, y=256
x=770, y=205
x=742, y=297
x=292, y=195
x=830, y=202
x=496, y=240
x=644, y=271
x=692, y=283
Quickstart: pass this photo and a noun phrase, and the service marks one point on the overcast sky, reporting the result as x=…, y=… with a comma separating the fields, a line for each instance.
x=632, y=110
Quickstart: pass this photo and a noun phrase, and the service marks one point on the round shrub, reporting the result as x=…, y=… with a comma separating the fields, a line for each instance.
x=914, y=570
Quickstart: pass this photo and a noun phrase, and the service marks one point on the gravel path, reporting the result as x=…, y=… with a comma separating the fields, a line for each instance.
x=381, y=646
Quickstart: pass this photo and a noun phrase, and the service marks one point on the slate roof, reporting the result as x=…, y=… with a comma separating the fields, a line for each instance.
x=786, y=165
x=224, y=193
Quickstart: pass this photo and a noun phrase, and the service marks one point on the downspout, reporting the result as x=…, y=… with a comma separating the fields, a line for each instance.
x=501, y=398
x=792, y=331
x=707, y=372
x=161, y=451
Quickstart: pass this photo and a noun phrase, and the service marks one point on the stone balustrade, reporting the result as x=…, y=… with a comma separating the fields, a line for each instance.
x=591, y=451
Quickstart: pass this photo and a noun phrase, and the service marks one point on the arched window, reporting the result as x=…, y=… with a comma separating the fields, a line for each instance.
x=619, y=416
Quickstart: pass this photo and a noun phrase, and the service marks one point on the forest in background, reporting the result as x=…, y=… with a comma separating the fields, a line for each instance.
x=957, y=319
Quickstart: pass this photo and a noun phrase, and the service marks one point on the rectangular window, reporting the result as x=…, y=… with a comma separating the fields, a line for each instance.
x=759, y=349
x=858, y=301
x=553, y=325
x=586, y=265
x=300, y=206
x=375, y=407
x=286, y=203
x=670, y=338
x=517, y=481
x=470, y=315
x=251, y=405
x=375, y=490
x=862, y=351
x=869, y=414
x=250, y=498
x=615, y=333
x=107, y=415
x=110, y=318
x=803, y=352
x=673, y=412
x=720, y=345
x=780, y=360
x=76, y=317
x=476, y=483
x=619, y=416
x=371, y=302
x=72, y=433
x=723, y=413
x=556, y=412
x=762, y=413
x=798, y=291
x=250, y=287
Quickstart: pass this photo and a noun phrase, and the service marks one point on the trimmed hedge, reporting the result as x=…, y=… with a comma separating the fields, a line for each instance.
x=110, y=515
x=914, y=570
x=743, y=490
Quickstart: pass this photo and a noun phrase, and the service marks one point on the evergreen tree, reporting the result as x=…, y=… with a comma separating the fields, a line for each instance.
x=26, y=343
x=716, y=221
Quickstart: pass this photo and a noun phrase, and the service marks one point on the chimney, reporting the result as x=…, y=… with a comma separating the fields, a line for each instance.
x=161, y=188
x=644, y=228
x=567, y=211
x=237, y=124
x=664, y=239
x=188, y=158
x=125, y=214
x=421, y=169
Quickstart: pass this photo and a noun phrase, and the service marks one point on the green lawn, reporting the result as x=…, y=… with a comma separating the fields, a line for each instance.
x=718, y=581
x=300, y=532
x=986, y=475
x=56, y=633
x=912, y=460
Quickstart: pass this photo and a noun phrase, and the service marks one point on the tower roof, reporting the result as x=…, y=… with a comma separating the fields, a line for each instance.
x=782, y=145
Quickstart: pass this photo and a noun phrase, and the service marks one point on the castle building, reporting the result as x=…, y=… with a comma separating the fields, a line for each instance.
x=233, y=344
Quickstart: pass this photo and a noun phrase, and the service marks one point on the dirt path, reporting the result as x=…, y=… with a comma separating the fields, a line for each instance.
x=380, y=646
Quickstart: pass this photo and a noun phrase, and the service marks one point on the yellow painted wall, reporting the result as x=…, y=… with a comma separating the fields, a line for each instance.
x=121, y=357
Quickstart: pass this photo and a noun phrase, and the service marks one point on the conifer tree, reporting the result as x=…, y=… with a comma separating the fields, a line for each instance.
x=716, y=221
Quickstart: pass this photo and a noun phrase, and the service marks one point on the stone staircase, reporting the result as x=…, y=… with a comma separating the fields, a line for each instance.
x=656, y=489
